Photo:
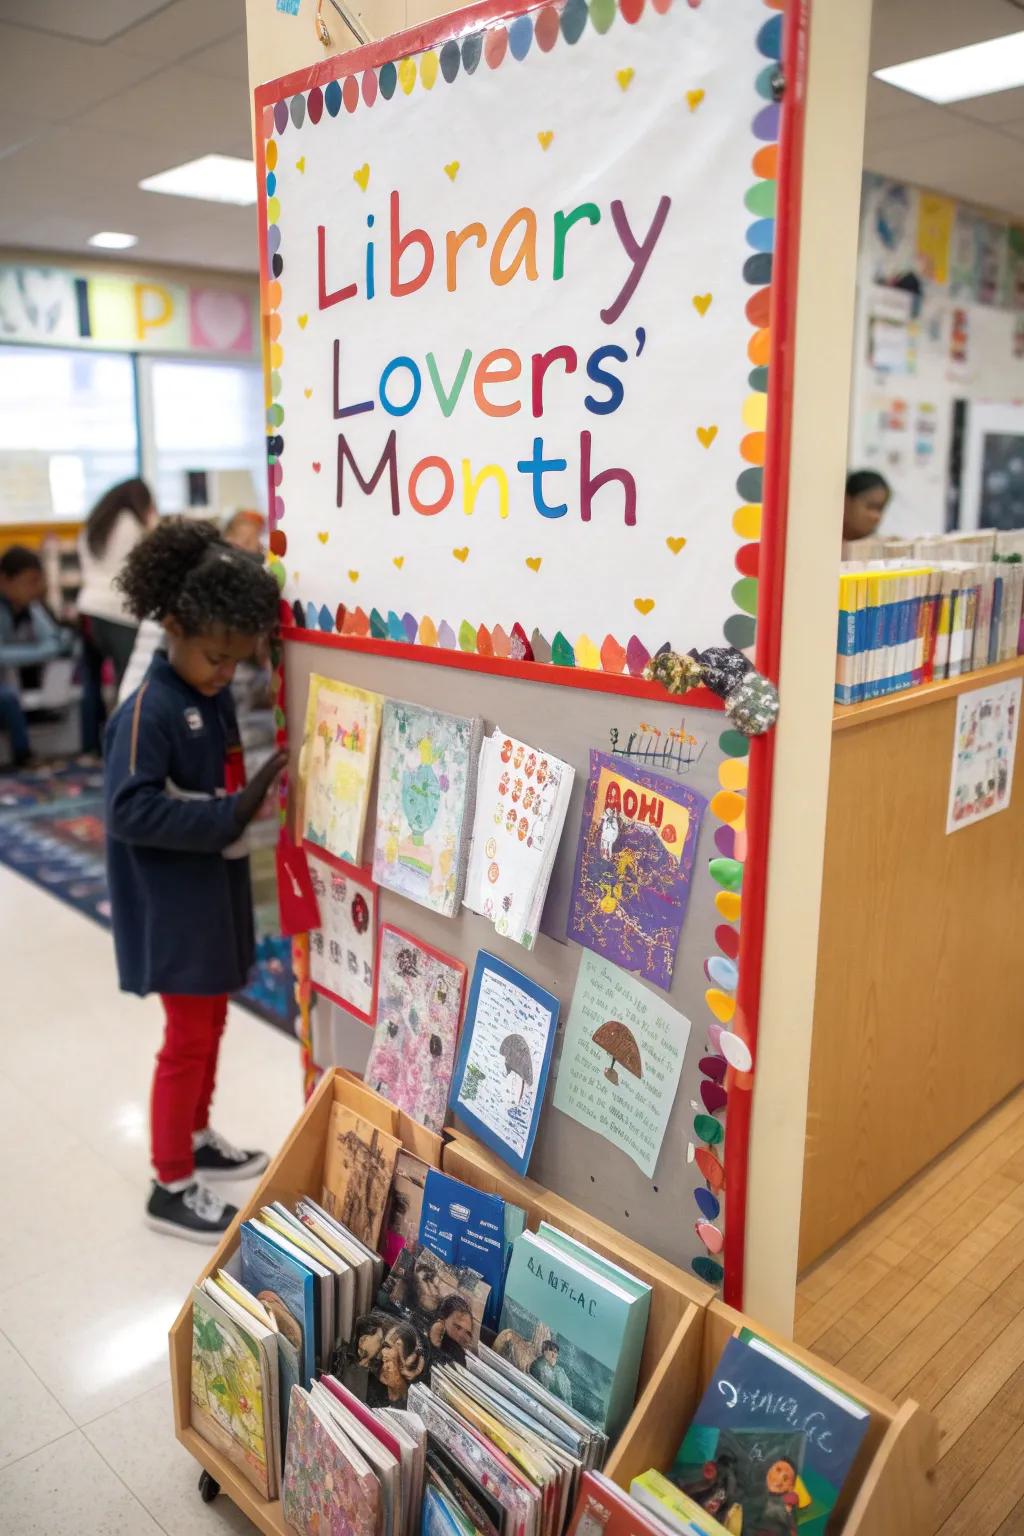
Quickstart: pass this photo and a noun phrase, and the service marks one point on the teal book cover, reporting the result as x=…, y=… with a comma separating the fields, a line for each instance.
x=574, y=1332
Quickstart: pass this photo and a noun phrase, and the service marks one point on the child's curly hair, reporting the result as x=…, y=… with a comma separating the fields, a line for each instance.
x=184, y=570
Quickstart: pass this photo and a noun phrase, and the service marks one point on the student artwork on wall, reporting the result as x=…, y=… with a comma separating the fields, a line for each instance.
x=504, y=1059
x=485, y=384
x=419, y=1005
x=342, y=949
x=633, y=866
x=339, y=751
x=984, y=748
x=425, y=804
x=622, y=1053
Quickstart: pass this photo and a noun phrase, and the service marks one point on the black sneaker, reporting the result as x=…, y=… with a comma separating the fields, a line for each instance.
x=194, y=1212
x=215, y=1158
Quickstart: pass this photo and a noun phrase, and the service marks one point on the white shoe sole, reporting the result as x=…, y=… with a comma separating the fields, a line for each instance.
x=175, y=1229
x=249, y=1170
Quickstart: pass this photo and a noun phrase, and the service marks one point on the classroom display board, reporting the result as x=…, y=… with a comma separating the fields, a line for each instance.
x=519, y=272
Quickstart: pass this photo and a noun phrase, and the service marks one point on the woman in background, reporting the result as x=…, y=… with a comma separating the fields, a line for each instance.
x=114, y=526
x=867, y=495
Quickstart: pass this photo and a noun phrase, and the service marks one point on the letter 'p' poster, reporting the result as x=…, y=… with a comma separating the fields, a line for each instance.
x=517, y=272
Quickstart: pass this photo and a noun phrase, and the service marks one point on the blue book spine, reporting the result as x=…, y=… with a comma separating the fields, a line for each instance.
x=265, y=1267
x=466, y=1228
x=997, y=619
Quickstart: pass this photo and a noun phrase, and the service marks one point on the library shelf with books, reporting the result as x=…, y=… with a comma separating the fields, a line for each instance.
x=887, y=1495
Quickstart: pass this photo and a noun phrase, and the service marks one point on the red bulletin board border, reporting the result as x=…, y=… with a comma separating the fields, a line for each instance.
x=771, y=557
x=362, y=875
x=768, y=640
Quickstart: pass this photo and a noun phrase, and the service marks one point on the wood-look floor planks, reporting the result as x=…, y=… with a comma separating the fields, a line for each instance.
x=926, y=1301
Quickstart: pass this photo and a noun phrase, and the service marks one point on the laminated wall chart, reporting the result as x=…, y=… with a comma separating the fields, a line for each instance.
x=525, y=287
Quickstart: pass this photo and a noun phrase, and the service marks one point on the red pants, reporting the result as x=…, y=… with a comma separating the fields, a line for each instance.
x=186, y=1069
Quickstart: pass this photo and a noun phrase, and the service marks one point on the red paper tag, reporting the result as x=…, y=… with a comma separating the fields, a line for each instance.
x=296, y=899
x=234, y=770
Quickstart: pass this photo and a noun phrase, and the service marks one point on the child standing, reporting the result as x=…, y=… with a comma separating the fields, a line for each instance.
x=177, y=805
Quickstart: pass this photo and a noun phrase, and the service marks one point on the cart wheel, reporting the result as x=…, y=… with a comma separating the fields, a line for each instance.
x=208, y=1488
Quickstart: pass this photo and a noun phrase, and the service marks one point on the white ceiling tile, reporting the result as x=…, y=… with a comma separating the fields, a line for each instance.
x=182, y=29
x=180, y=109
x=1001, y=107
x=226, y=60
x=95, y=22
x=911, y=29
x=49, y=75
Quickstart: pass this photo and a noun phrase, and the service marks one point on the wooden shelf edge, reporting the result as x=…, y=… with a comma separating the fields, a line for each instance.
x=845, y=716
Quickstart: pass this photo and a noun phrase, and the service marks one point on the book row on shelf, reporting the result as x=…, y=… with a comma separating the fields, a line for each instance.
x=404, y=1357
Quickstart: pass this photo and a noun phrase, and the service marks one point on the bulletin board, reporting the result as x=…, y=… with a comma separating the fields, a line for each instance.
x=526, y=290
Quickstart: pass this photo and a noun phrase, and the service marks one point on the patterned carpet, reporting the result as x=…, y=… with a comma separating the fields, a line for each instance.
x=51, y=832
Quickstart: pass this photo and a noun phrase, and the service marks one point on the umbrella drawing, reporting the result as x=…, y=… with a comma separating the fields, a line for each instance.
x=618, y=1041
x=516, y=1055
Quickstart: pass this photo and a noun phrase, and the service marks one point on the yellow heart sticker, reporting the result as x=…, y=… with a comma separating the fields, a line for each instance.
x=706, y=436
x=694, y=99
x=300, y=165
x=643, y=604
x=398, y=561
x=323, y=537
x=544, y=138
x=533, y=561
x=308, y=393
x=362, y=176
x=461, y=554
x=452, y=170
x=353, y=575
x=303, y=322
x=702, y=302
x=675, y=545
x=624, y=77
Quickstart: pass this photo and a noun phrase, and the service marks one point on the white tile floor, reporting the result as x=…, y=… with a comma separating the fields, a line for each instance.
x=87, y=1293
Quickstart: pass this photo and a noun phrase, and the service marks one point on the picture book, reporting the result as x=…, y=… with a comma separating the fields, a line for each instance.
x=476, y=1456
x=288, y=1291
x=633, y=864
x=419, y=1005
x=622, y=1053
x=359, y=1163
x=339, y=750
x=425, y=803
x=445, y=1303
x=771, y=1444
x=504, y=1057
x=342, y=951
x=328, y=1487
x=671, y=1505
x=522, y=796
x=405, y=1205
x=571, y=1326
x=470, y=1228
x=603, y=1509
x=230, y=1392
x=362, y=1427
x=388, y=1353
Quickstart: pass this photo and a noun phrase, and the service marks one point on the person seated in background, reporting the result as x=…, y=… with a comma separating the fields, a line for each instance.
x=867, y=495
x=29, y=637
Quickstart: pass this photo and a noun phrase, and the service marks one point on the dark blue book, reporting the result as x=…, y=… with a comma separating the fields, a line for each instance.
x=470, y=1230
x=286, y=1288
x=771, y=1444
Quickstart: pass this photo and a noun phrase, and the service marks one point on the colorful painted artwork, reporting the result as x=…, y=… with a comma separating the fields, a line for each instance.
x=622, y=1053
x=419, y=1005
x=339, y=750
x=633, y=865
x=504, y=1059
x=984, y=747
x=425, y=803
x=359, y=1164
x=227, y=1391
x=522, y=796
x=324, y=1493
x=342, y=951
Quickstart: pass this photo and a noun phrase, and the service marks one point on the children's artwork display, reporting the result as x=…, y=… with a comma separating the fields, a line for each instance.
x=504, y=1059
x=339, y=750
x=342, y=950
x=522, y=796
x=622, y=1053
x=425, y=803
x=419, y=1005
x=633, y=866
x=984, y=748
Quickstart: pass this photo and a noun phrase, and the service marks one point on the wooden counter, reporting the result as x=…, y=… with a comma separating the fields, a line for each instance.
x=919, y=1008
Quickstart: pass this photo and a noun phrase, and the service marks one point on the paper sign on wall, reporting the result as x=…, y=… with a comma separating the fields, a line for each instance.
x=984, y=746
x=511, y=331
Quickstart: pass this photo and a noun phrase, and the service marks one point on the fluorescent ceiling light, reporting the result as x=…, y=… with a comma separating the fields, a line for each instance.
x=211, y=178
x=977, y=70
x=113, y=240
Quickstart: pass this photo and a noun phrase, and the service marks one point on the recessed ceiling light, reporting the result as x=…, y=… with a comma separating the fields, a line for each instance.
x=211, y=178
x=977, y=70
x=113, y=240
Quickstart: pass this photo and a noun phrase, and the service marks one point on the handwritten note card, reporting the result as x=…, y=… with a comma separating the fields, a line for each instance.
x=341, y=950
x=621, y=1058
x=504, y=1058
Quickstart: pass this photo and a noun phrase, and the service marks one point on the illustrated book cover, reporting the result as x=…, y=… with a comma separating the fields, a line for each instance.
x=425, y=803
x=287, y=1290
x=770, y=1440
x=633, y=864
x=603, y=1509
x=405, y=1205
x=470, y=1229
x=328, y=1488
x=342, y=951
x=446, y=1303
x=576, y=1324
x=419, y=1005
x=231, y=1404
x=522, y=797
x=359, y=1164
x=336, y=763
x=504, y=1057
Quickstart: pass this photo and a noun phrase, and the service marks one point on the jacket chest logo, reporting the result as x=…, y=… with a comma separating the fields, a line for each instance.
x=194, y=720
